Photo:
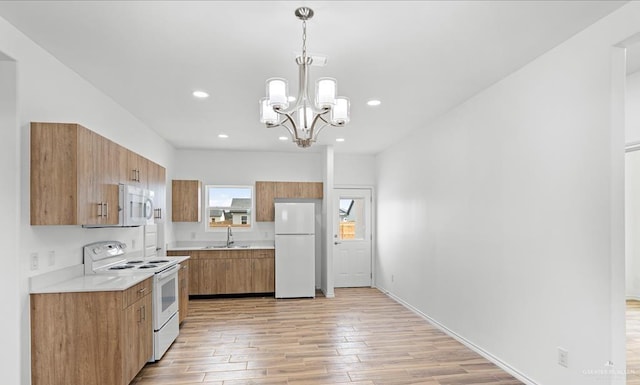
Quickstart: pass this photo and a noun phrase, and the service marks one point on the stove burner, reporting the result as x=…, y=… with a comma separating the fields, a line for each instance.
x=134, y=262
x=159, y=261
x=147, y=266
x=122, y=267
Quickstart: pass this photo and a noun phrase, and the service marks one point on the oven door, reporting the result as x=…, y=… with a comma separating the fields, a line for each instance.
x=165, y=296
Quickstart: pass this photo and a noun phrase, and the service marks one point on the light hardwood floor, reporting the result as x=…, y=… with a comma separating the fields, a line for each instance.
x=361, y=337
x=633, y=342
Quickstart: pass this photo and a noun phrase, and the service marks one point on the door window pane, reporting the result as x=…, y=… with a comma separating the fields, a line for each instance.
x=352, y=223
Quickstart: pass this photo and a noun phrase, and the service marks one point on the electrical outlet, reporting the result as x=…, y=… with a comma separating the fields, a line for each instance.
x=133, y=244
x=391, y=277
x=34, y=261
x=52, y=257
x=563, y=357
x=193, y=235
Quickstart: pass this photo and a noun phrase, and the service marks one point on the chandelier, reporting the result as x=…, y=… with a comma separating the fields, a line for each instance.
x=305, y=119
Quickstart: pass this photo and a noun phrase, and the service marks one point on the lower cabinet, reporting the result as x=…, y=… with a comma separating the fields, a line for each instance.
x=183, y=290
x=99, y=338
x=230, y=271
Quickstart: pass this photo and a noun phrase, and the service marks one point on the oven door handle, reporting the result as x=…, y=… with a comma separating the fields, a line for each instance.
x=168, y=272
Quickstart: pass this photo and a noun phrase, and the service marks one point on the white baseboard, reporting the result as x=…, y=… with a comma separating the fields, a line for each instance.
x=497, y=361
x=329, y=295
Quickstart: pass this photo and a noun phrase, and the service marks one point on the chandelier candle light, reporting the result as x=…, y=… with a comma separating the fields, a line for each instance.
x=305, y=119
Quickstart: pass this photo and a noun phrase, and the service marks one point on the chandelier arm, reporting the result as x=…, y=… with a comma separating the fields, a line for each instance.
x=287, y=117
x=315, y=136
x=315, y=121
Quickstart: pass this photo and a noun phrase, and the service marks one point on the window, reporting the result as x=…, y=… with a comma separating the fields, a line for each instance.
x=229, y=206
x=352, y=219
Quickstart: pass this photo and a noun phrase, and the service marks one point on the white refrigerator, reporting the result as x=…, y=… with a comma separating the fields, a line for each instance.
x=295, y=250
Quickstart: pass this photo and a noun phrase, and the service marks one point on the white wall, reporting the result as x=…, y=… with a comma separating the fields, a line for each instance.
x=632, y=187
x=9, y=193
x=508, y=243
x=632, y=101
x=354, y=170
x=49, y=91
x=240, y=168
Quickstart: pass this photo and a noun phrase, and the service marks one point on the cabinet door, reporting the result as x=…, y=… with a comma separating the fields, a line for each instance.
x=263, y=272
x=265, y=194
x=137, y=337
x=54, y=188
x=157, y=184
x=186, y=205
x=183, y=279
x=211, y=276
x=311, y=190
x=138, y=170
x=90, y=198
x=238, y=275
x=97, y=181
x=110, y=169
x=288, y=190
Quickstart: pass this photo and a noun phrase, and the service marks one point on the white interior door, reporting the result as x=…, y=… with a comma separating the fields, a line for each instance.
x=352, y=241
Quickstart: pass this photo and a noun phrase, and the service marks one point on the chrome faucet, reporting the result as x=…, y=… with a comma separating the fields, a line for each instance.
x=229, y=236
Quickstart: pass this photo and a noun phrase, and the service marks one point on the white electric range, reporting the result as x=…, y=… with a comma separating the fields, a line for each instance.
x=109, y=257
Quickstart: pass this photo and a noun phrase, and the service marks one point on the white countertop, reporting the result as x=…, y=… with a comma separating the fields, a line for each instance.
x=252, y=246
x=96, y=282
x=72, y=279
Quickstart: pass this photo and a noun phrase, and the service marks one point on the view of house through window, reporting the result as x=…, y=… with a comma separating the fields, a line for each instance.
x=229, y=206
x=352, y=219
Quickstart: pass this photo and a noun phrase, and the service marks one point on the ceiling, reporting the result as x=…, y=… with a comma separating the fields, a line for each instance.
x=420, y=58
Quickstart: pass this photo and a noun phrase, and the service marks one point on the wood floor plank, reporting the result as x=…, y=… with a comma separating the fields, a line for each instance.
x=360, y=337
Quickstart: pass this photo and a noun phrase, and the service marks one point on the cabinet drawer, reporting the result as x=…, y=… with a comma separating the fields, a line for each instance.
x=136, y=292
x=263, y=253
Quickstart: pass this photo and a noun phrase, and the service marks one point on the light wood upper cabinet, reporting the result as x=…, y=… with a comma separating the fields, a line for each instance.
x=69, y=183
x=69, y=347
x=138, y=170
x=75, y=175
x=267, y=192
x=157, y=183
x=186, y=202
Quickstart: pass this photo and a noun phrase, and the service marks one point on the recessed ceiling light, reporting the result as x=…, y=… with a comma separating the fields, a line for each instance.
x=373, y=102
x=283, y=138
x=200, y=94
x=339, y=139
x=223, y=136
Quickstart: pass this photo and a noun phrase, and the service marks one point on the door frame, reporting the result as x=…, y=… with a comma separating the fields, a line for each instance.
x=373, y=224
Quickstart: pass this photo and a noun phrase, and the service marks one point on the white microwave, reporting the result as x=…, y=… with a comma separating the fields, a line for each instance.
x=135, y=207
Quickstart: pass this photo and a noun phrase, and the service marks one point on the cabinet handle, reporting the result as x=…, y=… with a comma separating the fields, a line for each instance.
x=137, y=175
x=106, y=210
x=133, y=175
x=139, y=314
x=142, y=290
x=100, y=210
x=144, y=312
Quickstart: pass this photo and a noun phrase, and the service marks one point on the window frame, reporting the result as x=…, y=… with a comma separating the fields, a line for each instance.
x=207, y=208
